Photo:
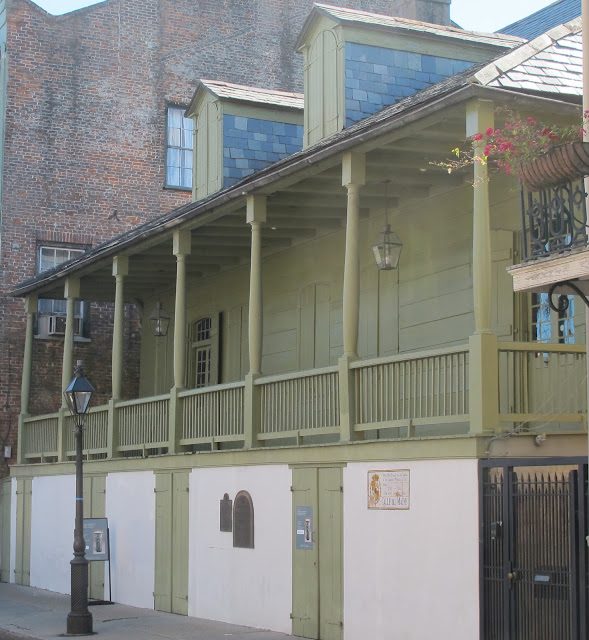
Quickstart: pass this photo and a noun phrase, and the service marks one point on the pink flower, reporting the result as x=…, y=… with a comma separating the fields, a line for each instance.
x=489, y=131
x=478, y=136
x=531, y=120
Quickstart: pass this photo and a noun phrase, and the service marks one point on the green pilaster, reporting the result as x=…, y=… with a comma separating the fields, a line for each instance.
x=120, y=268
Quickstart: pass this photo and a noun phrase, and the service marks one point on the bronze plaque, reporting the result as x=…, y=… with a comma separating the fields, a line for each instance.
x=243, y=521
x=226, y=514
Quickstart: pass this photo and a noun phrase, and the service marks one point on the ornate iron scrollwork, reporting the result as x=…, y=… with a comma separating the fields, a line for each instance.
x=563, y=301
x=553, y=219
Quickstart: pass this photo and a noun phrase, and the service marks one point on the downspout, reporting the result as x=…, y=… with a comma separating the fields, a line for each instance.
x=3, y=101
x=585, y=35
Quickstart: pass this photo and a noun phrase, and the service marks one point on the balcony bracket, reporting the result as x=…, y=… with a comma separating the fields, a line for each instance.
x=563, y=301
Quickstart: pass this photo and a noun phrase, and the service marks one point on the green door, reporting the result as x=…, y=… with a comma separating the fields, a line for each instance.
x=5, y=531
x=171, y=542
x=95, y=507
x=317, y=609
x=22, y=569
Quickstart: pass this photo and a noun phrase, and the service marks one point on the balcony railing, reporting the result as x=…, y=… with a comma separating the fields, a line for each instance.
x=421, y=393
x=553, y=220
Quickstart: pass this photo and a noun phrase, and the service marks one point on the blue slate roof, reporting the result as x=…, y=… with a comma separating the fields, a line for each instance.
x=539, y=22
x=552, y=62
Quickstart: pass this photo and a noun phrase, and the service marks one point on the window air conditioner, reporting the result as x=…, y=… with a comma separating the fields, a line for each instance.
x=57, y=326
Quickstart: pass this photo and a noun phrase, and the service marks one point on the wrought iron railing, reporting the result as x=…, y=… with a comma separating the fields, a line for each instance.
x=553, y=219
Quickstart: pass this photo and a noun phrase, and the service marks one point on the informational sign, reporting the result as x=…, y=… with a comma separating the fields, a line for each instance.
x=96, y=538
x=388, y=489
x=304, y=528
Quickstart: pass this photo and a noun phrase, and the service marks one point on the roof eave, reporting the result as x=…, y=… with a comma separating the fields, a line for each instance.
x=365, y=136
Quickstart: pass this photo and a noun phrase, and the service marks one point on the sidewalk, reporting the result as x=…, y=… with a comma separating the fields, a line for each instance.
x=29, y=613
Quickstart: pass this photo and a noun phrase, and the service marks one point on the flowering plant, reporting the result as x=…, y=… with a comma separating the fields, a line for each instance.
x=519, y=141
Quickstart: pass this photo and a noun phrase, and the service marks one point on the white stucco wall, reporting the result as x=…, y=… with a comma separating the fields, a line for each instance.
x=52, y=531
x=130, y=509
x=413, y=574
x=12, y=528
x=243, y=586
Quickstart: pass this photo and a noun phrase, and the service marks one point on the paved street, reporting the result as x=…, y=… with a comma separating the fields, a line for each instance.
x=29, y=613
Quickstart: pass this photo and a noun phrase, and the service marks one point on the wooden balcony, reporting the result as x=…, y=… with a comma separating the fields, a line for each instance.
x=410, y=395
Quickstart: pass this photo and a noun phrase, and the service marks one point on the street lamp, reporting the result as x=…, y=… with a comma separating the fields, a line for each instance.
x=159, y=321
x=79, y=619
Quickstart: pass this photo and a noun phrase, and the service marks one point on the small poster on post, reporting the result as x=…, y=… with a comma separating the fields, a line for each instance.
x=388, y=489
x=96, y=538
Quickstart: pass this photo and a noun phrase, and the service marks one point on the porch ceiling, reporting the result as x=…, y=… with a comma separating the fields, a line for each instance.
x=398, y=171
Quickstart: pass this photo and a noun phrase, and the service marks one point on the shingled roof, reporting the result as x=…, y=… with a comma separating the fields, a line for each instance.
x=256, y=95
x=352, y=16
x=539, y=22
x=552, y=62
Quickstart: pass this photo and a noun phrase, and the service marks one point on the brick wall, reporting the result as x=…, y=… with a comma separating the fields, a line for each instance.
x=377, y=77
x=84, y=140
x=250, y=144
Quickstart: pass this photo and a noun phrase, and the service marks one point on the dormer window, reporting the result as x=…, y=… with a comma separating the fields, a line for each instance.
x=179, y=143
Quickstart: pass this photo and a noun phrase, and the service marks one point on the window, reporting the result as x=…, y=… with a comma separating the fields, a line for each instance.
x=549, y=325
x=179, y=141
x=204, y=357
x=51, y=313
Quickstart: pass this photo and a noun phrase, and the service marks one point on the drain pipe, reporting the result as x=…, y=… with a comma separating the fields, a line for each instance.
x=585, y=34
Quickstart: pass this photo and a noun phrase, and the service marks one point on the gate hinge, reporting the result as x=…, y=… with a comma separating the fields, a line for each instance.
x=291, y=616
x=291, y=488
x=342, y=490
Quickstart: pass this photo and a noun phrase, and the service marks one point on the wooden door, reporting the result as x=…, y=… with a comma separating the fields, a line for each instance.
x=22, y=569
x=318, y=564
x=171, y=542
x=5, y=530
x=95, y=507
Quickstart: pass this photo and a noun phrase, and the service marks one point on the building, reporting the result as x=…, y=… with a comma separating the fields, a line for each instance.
x=91, y=145
x=319, y=444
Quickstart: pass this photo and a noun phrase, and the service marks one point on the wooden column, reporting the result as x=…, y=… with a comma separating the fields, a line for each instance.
x=353, y=178
x=120, y=268
x=256, y=216
x=182, y=247
x=484, y=354
x=25, y=393
x=25, y=389
x=71, y=294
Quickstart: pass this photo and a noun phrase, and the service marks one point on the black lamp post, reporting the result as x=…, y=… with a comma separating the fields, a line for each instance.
x=79, y=619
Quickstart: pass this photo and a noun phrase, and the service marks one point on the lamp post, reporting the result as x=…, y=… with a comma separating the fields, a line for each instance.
x=79, y=619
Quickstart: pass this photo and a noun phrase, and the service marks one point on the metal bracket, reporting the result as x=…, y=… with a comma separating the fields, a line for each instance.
x=563, y=301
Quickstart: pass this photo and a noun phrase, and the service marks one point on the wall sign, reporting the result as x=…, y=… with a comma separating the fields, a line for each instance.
x=243, y=521
x=388, y=489
x=96, y=539
x=226, y=514
x=304, y=528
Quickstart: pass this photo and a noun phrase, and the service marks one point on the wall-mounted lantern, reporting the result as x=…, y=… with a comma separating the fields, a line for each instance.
x=159, y=321
x=387, y=249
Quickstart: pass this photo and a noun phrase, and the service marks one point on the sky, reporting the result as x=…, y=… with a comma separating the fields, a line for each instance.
x=475, y=15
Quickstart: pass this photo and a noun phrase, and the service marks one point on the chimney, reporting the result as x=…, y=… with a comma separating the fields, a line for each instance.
x=434, y=11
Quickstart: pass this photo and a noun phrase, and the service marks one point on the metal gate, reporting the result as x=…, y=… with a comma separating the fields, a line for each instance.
x=534, y=570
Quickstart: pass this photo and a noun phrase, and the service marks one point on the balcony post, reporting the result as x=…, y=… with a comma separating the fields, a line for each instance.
x=120, y=268
x=182, y=247
x=25, y=393
x=256, y=216
x=484, y=353
x=353, y=178
x=71, y=294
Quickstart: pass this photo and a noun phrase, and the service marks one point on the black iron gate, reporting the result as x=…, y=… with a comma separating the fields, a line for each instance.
x=534, y=569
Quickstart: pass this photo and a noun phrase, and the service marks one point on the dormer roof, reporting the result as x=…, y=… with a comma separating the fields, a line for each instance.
x=250, y=95
x=352, y=17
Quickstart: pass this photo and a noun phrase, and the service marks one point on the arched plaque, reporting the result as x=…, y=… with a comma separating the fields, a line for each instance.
x=243, y=521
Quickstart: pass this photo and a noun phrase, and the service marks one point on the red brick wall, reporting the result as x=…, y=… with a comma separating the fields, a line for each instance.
x=85, y=137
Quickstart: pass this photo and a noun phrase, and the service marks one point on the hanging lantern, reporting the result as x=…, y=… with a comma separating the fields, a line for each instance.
x=159, y=321
x=387, y=250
